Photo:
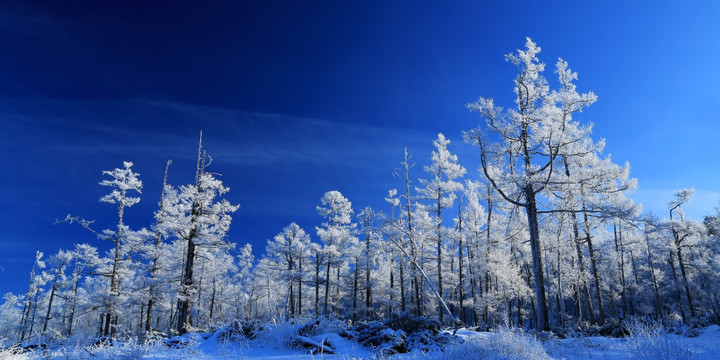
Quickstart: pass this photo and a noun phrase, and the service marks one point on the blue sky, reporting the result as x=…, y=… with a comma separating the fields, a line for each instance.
x=298, y=98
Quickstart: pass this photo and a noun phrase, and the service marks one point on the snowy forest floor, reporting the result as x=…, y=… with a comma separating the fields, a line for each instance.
x=283, y=342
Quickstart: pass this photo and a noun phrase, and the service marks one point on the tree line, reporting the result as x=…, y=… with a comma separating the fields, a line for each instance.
x=544, y=237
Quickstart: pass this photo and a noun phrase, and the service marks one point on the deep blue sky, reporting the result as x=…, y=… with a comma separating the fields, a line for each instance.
x=298, y=98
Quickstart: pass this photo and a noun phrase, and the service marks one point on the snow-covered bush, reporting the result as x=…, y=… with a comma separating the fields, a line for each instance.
x=401, y=333
x=13, y=353
x=118, y=350
x=503, y=344
x=323, y=325
x=239, y=331
x=613, y=327
x=652, y=341
x=379, y=337
x=410, y=324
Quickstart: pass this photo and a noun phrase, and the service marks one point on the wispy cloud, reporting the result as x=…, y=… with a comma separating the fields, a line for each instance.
x=237, y=137
x=279, y=163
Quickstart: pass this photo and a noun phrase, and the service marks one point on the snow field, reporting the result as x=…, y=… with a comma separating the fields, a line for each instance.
x=276, y=342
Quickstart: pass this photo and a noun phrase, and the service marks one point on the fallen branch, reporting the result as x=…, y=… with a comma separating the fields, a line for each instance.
x=321, y=347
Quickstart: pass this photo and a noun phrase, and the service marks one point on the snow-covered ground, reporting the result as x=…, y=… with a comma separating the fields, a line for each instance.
x=647, y=344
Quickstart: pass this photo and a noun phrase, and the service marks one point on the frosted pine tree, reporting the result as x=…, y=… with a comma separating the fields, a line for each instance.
x=123, y=182
x=290, y=249
x=200, y=219
x=522, y=162
x=440, y=190
x=337, y=234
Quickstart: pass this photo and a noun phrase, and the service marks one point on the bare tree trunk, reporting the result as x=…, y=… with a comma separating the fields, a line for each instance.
x=336, y=304
x=368, y=285
x=432, y=288
x=593, y=262
x=71, y=316
x=327, y=286
x=300, y=299
x=584, y=289
x=403, y=299
x=541, y=312
x=490, y=202
x=187, y=276
x=31, y=292
x=439, y=254
x=291, y=302
x=671, y=260
x=355, y=291
x=32, y=313
x=392, y=290
x=658, y=304
x=461, y=294
x=559, y=296
x=58, y=274
x=685, y=281
x=212, y=302
x=413, y=258
x=621, y=266
x=317, y=283
x=678, y=248
x=156, y=255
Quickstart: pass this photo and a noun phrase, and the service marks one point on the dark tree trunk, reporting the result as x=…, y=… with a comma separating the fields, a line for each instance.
x=686, y=284
x=355, y=291
x=183, y=319
x=212, y=302
x=656, y=293
x=368, y=285
x=671, y=260
x=584, y=289
x=300, y=280
x=156, y=256
x=291, y=301
x=593, y=262
x=327, y=287
x=541, y=312
x=461, y=294
x=317, y=283
x=621, y=266
x=439, y=255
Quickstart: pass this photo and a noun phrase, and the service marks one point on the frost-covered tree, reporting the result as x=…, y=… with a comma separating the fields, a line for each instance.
x=337, y=234
x=440, y=189
x=539, y=158
x=366, y=259
x=123, y=182
x=199, y=218
x=157, y=253
x=684, y=233
x=521, y=163
x=30, y=302
x=291, y=248
x=474, y=220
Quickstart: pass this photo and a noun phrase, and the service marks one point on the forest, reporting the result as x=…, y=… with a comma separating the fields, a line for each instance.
x=544, y=237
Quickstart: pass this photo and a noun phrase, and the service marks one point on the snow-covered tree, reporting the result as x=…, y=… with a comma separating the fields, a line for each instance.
x=291, y=248
x=440, y=189
x=199, y=218
x=522, y=162
x=337, y=234
x=123, y=181
x=684, y=234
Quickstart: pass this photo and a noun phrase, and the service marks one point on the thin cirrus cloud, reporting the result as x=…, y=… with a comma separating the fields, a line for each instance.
x=236, y=137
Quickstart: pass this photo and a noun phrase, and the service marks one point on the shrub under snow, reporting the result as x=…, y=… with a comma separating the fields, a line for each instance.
x=652, y=341
x=503, y=344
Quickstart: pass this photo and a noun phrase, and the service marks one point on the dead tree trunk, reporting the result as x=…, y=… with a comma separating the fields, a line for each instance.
x=187, y=276
x=156, y=255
